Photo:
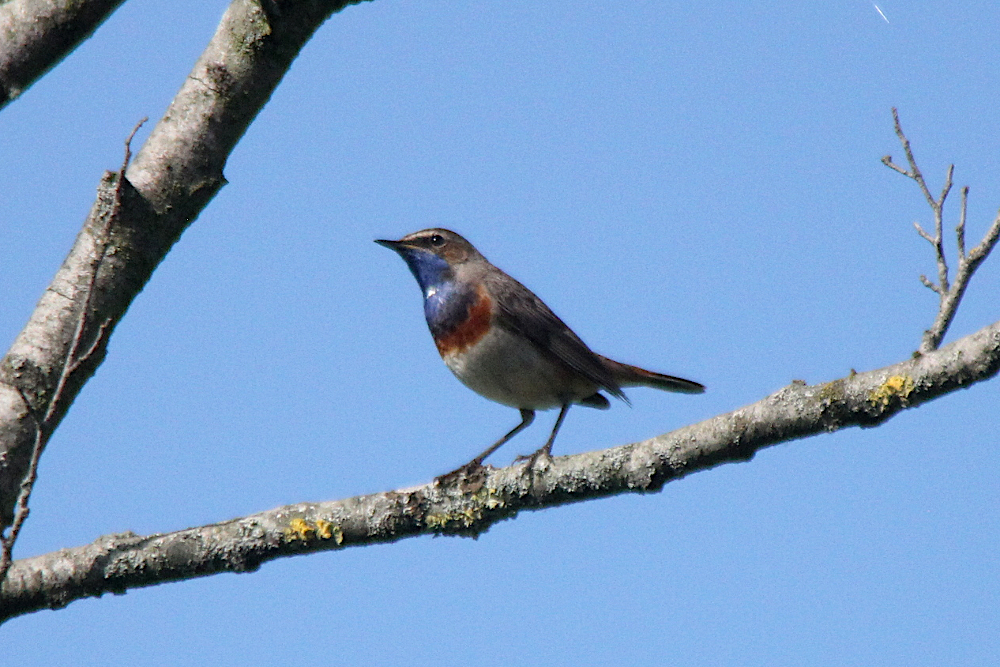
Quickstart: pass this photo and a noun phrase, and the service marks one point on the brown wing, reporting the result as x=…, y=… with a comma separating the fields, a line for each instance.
x=524, y=313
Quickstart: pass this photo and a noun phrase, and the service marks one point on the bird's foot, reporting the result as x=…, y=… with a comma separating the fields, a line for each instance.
x=533, y=458
x=472, y=471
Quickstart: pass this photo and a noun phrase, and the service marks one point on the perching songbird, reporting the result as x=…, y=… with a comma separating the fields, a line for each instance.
x=505, y=344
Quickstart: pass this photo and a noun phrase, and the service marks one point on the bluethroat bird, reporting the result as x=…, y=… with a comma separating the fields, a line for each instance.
x=505, y=344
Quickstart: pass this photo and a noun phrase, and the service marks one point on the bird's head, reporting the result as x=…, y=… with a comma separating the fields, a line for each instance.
x=433, y=255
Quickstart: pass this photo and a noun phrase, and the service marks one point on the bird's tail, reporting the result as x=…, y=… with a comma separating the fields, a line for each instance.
x=633, y=376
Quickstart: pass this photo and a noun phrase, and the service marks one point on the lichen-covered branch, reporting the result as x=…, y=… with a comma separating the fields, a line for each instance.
x=470, y=505
x=174, y=176
x=949, y=294
x=37, y=34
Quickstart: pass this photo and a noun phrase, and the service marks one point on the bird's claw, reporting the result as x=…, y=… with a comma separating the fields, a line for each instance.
x=471, y=471
x=532, y=458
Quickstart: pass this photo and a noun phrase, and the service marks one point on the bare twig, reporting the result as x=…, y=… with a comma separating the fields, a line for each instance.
x=960, y=228
x=21, y=510
x=73, y=360
x=949, y=295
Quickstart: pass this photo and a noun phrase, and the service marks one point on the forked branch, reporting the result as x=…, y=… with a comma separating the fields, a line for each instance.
x=949, y=294
x=172, y=178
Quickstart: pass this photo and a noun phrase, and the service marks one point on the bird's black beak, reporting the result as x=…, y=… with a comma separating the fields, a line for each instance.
x=391, y=245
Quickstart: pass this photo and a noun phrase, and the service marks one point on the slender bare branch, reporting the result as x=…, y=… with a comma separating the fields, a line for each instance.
x=22, y=510
x=942, y=258
x=960, y=227
x=37, y=34
x=982, y=251
x=469, y=506
x=949, y=294
x=42, y=425
x=913, y=171
x=929, y=285
x=920, y=230
x=887, y=161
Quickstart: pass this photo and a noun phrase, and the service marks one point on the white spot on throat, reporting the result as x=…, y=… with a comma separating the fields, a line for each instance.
x=431, y=291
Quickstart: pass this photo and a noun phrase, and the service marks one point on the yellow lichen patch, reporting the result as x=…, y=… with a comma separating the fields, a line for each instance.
x=460, y=519
x=895, y=386
x=832, y=392
x=489, y=498
x=493, y=502
x=326, y=530
x=299, y=529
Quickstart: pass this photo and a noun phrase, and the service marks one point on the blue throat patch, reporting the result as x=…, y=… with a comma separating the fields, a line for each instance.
x=430, y=270
x=446, y=303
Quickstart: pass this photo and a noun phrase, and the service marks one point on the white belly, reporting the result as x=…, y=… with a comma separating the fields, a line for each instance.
x=511, y=371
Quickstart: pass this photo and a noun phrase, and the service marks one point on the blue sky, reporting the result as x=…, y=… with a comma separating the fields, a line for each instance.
x=693, y=187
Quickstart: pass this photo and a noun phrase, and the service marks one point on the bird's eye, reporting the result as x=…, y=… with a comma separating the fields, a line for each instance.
x=437, y=240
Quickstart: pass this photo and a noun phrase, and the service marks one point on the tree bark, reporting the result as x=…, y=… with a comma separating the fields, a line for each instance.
x=37, y=34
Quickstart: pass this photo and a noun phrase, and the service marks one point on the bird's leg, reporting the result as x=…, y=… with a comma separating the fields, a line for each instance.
x=527, y=416
x=546, y=449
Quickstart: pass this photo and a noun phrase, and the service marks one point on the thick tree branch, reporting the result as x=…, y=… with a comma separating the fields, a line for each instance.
x=116, y=563
x=949, y=295
x=176, y=173
x=37, y=34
